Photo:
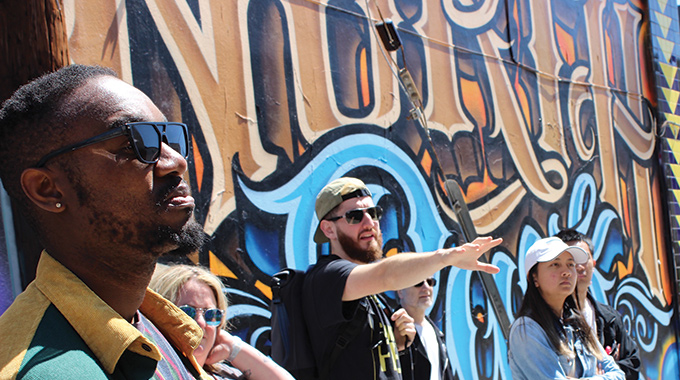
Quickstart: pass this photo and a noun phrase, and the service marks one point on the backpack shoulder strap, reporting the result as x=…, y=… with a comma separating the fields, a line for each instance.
x=347, y=333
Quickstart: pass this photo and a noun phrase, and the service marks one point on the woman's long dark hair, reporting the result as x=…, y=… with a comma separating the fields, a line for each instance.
x=535, y=307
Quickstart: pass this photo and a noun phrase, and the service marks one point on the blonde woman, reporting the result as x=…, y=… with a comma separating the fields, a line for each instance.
x=199, y=294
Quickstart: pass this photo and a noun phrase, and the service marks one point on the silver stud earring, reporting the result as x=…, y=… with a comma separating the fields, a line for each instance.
x=58, y=204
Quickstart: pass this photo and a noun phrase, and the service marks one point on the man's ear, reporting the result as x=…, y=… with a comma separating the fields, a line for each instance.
x=40, y=187
x=328, y=229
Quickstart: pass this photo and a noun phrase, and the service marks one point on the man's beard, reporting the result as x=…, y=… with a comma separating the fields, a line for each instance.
x=353, y=249
x=190, y=239
x=160, y=240
x=157, y=240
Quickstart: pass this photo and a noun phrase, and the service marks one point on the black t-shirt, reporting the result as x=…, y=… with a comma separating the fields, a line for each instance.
x=373, y=353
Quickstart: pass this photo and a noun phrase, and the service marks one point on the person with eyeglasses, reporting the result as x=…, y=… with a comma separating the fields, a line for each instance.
x=98, y=171
x=427, y=357
x=345, y=285
x=200, y=294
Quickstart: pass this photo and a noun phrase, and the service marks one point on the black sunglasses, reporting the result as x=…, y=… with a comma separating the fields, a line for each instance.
x=357, y=215
x=145, y=137
x=213, y=317
x=430, y=281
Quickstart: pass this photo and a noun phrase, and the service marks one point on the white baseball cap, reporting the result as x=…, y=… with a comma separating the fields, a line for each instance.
x=548, y=249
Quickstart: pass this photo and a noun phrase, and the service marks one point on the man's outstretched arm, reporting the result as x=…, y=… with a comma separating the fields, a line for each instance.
x=407, y=269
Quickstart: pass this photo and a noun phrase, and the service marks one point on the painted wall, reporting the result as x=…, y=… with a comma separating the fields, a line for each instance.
x=545, y=112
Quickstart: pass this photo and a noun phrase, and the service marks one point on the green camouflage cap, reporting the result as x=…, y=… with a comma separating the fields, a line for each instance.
x=332, y=195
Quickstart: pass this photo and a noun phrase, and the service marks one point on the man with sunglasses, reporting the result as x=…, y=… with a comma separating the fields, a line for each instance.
x=343, y=285
x=427, y=357
x=98, y=171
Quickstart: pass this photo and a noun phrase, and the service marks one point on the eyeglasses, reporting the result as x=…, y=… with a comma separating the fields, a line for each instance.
x=213, y=317
x=430, y=281
x=357, y=215
x=145, y=137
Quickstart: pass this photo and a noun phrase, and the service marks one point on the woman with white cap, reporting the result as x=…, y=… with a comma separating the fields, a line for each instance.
x=550, y=339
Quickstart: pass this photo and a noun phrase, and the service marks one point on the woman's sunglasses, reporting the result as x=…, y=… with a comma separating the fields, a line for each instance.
x=213, y=317
x=430, y=281
x=145, y=137
x=357, y=215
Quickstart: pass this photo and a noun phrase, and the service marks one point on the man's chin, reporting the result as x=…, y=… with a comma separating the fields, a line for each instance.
x=190, y=239
x=360, y=251
x=375, y=251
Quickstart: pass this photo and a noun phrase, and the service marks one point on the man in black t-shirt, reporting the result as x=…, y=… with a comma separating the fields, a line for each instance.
x=343, y=286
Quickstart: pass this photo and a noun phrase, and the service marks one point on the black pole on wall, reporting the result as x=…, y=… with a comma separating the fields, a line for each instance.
x=389, y=37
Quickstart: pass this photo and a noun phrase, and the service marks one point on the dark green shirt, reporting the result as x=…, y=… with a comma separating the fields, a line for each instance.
x=59, y=329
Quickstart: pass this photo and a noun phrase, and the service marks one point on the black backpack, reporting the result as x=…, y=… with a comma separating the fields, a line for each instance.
x=291, y=345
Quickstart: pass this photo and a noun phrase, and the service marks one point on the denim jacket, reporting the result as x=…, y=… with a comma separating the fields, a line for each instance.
x=532, y=357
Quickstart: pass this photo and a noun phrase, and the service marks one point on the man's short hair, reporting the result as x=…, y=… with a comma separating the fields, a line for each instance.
x=33, y=121
x=570, y=235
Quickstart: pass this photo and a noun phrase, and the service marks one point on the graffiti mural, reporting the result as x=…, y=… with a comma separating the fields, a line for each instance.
x=544, y=112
